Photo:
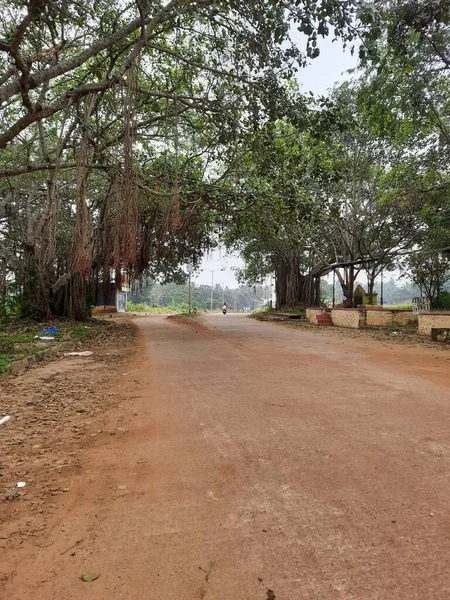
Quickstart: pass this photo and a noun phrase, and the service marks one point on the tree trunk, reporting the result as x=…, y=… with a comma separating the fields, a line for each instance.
x=3, y=311
x=371, y=277
x=280, y=285
x=347, y=282
x=294, y=289
x=292, y=282
x=72, y=299
x=35, y=297
x=309, y=290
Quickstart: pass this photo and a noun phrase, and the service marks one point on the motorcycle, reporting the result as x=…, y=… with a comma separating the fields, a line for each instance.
x=224, y=311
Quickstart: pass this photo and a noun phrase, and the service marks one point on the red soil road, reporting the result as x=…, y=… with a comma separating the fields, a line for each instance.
x=259, y=458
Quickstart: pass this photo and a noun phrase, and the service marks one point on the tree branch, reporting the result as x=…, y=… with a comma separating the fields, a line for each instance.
x=68, y=99
x=64, y=67
x=48, y=167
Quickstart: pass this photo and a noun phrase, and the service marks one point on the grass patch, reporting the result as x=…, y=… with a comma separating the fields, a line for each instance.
x=80, y=333
x=5, y=361
x=404, y=306
x=263, y=311
x=159, y=310
x=24, y=338
x=19, y=338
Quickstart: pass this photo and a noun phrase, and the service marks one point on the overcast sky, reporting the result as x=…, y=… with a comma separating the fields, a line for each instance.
x=330, y=67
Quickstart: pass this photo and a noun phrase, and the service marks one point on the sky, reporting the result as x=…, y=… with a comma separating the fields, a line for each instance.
x=323, y=72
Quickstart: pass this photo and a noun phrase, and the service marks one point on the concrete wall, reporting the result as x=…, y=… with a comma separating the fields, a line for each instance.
x=347, y=317
x=428, y=321
x=311, y=314
x=385, y=318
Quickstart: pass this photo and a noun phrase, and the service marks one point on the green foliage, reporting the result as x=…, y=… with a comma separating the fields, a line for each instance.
x=429, y=271
x=174, y=298
x=6, y=346
x=81, y=333
x=223, y=145
x=404, y=306
x=5, y=361
x=443, y=300
x=141, y=307
x=22, y=338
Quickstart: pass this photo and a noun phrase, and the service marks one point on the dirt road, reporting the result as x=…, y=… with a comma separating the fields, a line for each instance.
x=256, y=462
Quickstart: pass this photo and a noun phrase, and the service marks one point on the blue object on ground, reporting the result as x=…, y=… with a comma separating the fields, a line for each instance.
x=50, y=330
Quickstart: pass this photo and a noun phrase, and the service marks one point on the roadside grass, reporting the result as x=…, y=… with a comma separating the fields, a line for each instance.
x=404, y=306
x=80, y=333
x=21, y=338
x=296, y=310
x=263, y=311
x=141, y=307
x=5, y=360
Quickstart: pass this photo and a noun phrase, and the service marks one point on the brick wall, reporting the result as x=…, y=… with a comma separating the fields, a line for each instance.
x=428, y=321
x=385, y=318
x=346, y=317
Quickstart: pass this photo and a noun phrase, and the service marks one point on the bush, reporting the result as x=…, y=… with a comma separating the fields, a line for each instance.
x=139, y=307
x=145, y=308
x=443, y=301
x=6, y=347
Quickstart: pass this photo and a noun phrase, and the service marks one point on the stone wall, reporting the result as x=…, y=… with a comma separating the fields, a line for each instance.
x=429, y=321
x=347, y=317
x=386, y=318
x=311, y=314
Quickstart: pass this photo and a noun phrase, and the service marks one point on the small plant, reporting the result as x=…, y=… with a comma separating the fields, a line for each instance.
x=24, y=338
x=81, y=333
x=6, y=346
x=5, y=360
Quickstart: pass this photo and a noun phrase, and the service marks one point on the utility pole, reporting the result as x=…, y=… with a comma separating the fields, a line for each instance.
x=189, y=295
x=189, y=269
x=334, y=288
x=212, y=271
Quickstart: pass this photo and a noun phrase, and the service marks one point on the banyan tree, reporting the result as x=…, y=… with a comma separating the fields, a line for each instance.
x=120, y=126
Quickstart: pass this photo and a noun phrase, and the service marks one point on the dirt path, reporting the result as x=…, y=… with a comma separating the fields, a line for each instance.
x=255, y=462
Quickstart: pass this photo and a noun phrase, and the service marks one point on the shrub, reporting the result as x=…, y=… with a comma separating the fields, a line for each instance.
x=443, y=301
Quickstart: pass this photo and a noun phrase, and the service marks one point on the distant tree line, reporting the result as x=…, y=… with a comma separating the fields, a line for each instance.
x=176, y=296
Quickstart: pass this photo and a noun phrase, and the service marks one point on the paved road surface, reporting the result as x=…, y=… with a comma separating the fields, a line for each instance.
x=263, y=458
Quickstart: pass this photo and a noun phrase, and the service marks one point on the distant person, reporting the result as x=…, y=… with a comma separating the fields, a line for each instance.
x=224, y=308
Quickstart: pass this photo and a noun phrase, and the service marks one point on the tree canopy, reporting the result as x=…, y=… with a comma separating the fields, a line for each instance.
x=135, y=136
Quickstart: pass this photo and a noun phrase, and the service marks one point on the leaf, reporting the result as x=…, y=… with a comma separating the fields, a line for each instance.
x=90, y=577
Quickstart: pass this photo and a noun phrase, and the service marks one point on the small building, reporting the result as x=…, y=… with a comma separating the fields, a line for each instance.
x=362, y=298
x=118, y=297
